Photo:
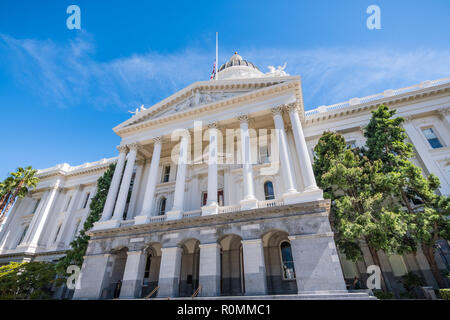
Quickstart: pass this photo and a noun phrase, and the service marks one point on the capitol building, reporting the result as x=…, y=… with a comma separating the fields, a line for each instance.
x=214, y=194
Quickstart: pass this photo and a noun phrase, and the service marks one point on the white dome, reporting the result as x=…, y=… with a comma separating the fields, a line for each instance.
x=238, y=68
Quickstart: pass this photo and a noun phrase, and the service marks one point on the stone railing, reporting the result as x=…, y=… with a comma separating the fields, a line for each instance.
x=270, y=203
x=191, y=214
x=386, y=93
x=233, y=208
x=158, y=218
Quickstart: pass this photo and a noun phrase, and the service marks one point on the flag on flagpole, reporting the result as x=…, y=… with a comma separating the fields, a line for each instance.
x=213, y=74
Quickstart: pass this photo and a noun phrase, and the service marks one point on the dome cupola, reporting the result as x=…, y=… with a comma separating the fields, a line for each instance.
x=238, y=68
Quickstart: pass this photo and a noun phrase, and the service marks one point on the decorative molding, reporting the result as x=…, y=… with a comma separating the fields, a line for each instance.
x=122, y=149
x=277, y=110
x=243, y=118
x=158, y=140
x=133, y=146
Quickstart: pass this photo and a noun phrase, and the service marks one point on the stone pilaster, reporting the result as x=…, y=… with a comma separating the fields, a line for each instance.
x=254, y=267
x=210, y=269
x=169, y=272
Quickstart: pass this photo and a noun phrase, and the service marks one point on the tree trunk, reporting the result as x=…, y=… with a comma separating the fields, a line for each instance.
x=376, y=260
x=428, y=251
x=3, y=201
x=12, y=198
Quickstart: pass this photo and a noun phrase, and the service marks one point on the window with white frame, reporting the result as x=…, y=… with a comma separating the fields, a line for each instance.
x=351, y=144
x=162, y=206
x=287, y=262
x=86, y=200
x=165, y=174
x=57, y=232
x=264, y=156
x=77, y=229
x=22, y=236
x=268, y=190
x=67, y=204
x=432, y=138
x=38, y=201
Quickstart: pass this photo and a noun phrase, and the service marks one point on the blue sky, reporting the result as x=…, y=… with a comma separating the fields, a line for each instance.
x=62, y=91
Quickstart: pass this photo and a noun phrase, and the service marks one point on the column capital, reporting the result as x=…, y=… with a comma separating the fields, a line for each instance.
x=133, y=146
x=292, y=107
x=444, y=112
x=243, y=118
x=213, y=125
x=122, y=149
x=157, y=140
x=277, y=110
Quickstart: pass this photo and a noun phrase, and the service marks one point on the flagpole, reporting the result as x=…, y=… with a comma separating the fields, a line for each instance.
x=217, y=55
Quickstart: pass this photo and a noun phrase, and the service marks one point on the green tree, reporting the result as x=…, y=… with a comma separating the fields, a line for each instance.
x=79, y=245
x=429, y=212
x=27, y=280
x=23, y=179
x=358, y=208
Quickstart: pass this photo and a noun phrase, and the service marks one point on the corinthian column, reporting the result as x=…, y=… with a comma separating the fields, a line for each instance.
x=125, y=185
x=115, y=183
x=212, y=206
x=309, y=181
x=286, y=168
x=178, y=201
x=249, y=201
x=150, y=188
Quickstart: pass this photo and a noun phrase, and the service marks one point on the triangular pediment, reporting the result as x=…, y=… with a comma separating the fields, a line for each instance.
x=200, y=94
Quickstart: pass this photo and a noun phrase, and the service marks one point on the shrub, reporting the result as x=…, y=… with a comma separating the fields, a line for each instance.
x=383, y=295
x=445, y=294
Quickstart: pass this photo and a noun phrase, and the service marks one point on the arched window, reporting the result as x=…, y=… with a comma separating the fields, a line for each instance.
x=287, y=262
x=162, y=206
x=268, y=190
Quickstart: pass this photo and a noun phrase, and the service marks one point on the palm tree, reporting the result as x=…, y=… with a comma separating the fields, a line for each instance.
x=24, y=178
x=6, y=188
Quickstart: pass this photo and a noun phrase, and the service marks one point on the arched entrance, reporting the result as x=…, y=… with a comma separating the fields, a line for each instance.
x=190, y=265
x=119, y=260
x=232, y=272
x=280, y=270
x=151, y=271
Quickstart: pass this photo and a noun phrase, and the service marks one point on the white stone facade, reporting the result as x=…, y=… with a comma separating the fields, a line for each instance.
x=160, y=228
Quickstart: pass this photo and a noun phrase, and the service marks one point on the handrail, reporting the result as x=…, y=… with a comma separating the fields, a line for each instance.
x=152, y=293
x=197, y=291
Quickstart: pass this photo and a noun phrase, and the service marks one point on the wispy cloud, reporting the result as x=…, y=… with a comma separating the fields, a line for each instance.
x=69, y=75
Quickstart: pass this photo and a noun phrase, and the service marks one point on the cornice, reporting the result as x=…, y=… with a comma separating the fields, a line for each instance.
x=370, y=105
x=288, y=84
x=300, y=210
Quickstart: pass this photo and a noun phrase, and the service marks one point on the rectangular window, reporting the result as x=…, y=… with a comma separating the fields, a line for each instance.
x=36, y=205
x=166, y=174
x=67, y=204
x=264, y=154
x=57, y=233
x=432, y=138
x=24, y=232
x=351, y=144
x=87, y=200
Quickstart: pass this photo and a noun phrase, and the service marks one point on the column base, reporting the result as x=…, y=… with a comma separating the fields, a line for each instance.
x=210, y=209
x=141, y=220
x=249, y=204
x=108, y=224
x=306, y=196
x=174, y=215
